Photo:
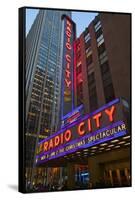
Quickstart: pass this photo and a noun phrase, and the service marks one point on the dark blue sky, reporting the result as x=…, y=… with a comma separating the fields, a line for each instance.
x=82, y=19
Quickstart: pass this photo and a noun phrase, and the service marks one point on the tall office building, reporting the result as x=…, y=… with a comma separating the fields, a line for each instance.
x=43, y=80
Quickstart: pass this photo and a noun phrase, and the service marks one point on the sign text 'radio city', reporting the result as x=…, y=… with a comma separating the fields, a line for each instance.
x=80, y=129
x=68, y=54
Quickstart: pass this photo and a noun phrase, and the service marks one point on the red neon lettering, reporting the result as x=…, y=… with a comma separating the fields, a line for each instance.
x=68, y=45
x=96, y=117
x=68, y=40
x=80, y=131
x=68, y=58
x=89, y=125
x=67, y=135
x=50, y=144
x=68, y=33
x=69, y=29
x=110, y=113
x=68, y=65
x=68, y=23
x=67, y=73
x=56, y=141
x=46, y=146
x=68, y=83
x=62, y=138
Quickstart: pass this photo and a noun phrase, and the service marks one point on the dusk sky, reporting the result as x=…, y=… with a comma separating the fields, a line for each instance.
x=82, y=19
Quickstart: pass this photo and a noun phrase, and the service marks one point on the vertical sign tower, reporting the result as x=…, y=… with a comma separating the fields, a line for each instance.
x=67, y=94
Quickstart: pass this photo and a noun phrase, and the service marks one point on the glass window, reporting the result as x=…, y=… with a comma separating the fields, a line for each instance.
x=101, y=48
x=103, y=57
x=109, y=93
x=100, y=38
x=97, y=26
x=99, y=32
x=89, y=53
x=88, y=49
x=89, y=59
x=87, y=37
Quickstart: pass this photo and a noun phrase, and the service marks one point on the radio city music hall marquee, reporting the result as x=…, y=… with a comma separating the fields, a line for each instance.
x=100, y=126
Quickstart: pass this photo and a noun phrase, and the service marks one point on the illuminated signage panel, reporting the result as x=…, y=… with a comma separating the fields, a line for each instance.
x=100, y=126
x=67, y=78
x=73, y=116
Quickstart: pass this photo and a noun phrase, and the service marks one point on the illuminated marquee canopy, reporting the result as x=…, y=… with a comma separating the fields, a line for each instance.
x=102, y=125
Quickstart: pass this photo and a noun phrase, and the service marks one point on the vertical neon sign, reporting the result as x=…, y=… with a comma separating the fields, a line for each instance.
x=67, y=96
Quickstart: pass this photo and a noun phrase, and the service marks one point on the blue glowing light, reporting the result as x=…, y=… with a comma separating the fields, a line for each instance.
x=82, y=119
x=87, y=145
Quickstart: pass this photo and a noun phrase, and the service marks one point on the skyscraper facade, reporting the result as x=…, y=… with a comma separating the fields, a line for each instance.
x=43, y=80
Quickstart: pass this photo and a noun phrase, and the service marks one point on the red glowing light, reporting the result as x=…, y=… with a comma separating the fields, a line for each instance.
x=68, y=55
x=110, y=113
x=96, y=117
x=68, y=135
x=75, y=68
x=81, y=130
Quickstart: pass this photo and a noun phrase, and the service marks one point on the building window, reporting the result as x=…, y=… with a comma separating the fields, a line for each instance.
x=97, y=26
x=88, y=44
x=93, y=101
x=79, y=93
x=92, y=92
x=107, y=82
x=91, y=78
x=104, y=68
x=101, y=48
x=89, y=53
x=87, y=37
x=89, y=60
x=100, y=40
x=103, y=57
x=99, y=33
x=109, y=93
x=88, y=50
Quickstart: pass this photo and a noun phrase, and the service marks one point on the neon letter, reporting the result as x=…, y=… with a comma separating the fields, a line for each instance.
x=89, y=125
x=110, y=113
x=68, y=58
x=67, y=83
x=56, y=141
x=96, y=117
x=46, y=146
x=67, y=73
x=68, y=33
x=80, y=131
x=67, y=135
x=68, y=45
x=51, y=144
x=68, y=23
